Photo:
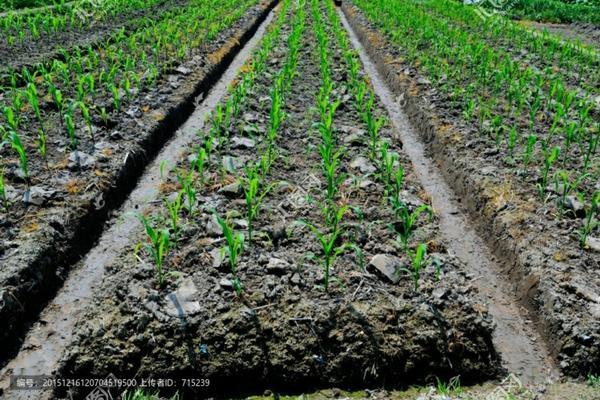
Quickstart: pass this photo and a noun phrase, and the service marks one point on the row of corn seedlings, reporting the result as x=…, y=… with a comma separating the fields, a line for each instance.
x=548, y=132
x=162, y=233
x=254, y=179
x=16, y=27
x=390, y=172
x=332, y=236
x=553, y=56
x=90, y=86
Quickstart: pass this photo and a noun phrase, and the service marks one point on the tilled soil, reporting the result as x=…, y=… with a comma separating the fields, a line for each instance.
x=284, y=331
x=555, y=279
x=68, y=203
x=30, y=51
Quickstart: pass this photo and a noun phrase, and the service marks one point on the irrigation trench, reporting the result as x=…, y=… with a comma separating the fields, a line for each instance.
x=521, y=348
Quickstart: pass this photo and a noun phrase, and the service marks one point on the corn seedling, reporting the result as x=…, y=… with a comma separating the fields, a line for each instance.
x=531, y=141
x=328, y=240
x=255, y=194
x=418, y=262
x=70, y=127
x=42, y=146
x=408, y=219
x=590, y=222
x=158, y=248
x=233, y=250
x=565, y=186
x=549, y=159
x=186, y=179
x=3, y=195
x=201, y=161
x=17, y=145
x=173, y=209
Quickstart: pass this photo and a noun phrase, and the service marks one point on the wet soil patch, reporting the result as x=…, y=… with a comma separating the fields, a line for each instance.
x=556, y=280
x=50, y=236
x=284, y=332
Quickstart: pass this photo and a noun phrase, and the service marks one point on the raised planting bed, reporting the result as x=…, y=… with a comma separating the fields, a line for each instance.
x=55, y=208
x=233, y=285
x=527, y=203
x=58, y=32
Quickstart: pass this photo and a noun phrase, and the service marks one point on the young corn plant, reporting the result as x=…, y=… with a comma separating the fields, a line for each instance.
x=550, y=158
x=408, y=220
x=255, y=194
x=186, y=180
x=418, y=262
x=233, y=250
x=17, y=146
x=158, y=247
x=564, y=186
x=3, y=195
x=173, y=209
x=328, y=240
x=70, y=127
x=590, y=222
x=201, y=163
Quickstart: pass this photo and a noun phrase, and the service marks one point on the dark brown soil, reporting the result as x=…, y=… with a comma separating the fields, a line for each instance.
x=285, y=332
x=556, y=280
x=39, y=241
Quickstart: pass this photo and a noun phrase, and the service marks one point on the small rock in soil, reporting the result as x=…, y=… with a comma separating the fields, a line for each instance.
x=295, y=279
x=78, y=159
x=181, y=302
x=37, y=195
x=212, y=226
x=593, y=243
x=242, y=143
x=218, y=257
x=232, y=190
x=573, y=204
x=231, y=164
x=363, y=165
x=277, y=266
x=183, y=70
x=226, y=284
x=116, y=135
x=387, y=266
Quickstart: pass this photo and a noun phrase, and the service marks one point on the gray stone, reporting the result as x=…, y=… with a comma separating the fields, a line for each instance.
x=277, y=266
x=231, y=164
x=183, y=70
x=242, y=143
x=212, y=226
x=295, y=279
x=226, y=283
x=573, y=204
x=593, y=243
x=182, y=301
x=218, y=256
x=386, y=265
x=363, y=165
x=37, y=195
x=78, y=159
x=231, y=190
